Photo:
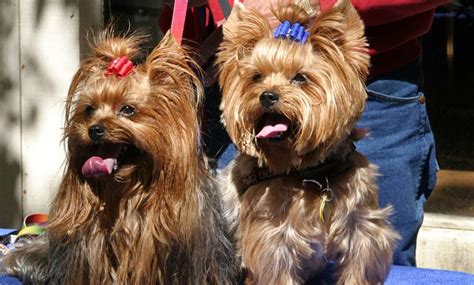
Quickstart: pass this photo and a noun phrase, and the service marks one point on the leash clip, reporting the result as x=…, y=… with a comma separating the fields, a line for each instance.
x=327, y=195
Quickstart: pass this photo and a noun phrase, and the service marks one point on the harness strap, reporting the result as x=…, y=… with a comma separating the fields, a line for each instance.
x=179, y=16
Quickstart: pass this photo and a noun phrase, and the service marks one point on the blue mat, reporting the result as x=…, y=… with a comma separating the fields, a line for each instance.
x=398, y=275
x=4, y=232
x=423, y=276
x=6, y=280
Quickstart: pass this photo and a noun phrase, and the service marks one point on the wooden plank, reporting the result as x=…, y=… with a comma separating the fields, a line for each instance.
x=10, y=116
x=39, y=53
x=49, y=48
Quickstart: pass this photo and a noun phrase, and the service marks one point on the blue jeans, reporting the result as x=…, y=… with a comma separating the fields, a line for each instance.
x=401, y=143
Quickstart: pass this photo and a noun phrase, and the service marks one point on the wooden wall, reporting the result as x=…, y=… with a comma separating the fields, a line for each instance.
x=41, y=46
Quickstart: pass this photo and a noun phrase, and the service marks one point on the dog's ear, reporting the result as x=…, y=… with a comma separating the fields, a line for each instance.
x=169, y=63
x=163, y=58
x=339, y=33
x=242, y=30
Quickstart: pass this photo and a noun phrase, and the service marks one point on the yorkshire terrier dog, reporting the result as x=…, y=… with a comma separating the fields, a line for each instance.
x=299, y=193
x=136, y=204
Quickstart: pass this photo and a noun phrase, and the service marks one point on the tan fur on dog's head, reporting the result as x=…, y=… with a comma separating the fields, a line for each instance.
x=319, y=84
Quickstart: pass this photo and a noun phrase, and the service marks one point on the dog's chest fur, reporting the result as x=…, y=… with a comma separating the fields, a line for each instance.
x=284, y=213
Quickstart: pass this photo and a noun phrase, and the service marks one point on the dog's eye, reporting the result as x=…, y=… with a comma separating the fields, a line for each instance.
x=256, y=77
x=127, y=111
x=298, y=78
x=89, y=110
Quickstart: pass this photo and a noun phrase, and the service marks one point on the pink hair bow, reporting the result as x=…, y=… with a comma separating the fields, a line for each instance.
x=120, y=66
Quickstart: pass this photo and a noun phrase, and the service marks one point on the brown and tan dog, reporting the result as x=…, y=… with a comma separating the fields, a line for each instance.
x=299, y=194
x=136, y=205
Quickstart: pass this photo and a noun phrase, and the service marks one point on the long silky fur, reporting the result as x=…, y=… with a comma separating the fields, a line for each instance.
x=281, y=237
x=157, y=221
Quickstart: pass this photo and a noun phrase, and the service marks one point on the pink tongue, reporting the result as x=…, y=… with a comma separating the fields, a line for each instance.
x=96, y=166
x=270, y=131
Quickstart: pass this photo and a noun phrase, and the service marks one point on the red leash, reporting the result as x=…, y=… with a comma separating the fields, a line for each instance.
x=179, y=16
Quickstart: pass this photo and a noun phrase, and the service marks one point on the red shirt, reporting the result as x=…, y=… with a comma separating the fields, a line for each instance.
x=393, y=28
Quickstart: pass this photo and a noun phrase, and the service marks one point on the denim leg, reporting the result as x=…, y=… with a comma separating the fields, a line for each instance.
x=214, y=137
x=401, y=143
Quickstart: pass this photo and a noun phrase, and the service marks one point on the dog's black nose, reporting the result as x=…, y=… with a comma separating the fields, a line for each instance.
x=96, y=132
x=268, y=99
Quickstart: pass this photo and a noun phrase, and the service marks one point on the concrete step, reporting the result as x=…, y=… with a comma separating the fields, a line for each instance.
x=446, y=238
x=446, y=242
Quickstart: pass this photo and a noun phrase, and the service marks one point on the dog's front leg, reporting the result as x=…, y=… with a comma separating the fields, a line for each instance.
x=276, y=238
x=364, y=246
x=267, y=256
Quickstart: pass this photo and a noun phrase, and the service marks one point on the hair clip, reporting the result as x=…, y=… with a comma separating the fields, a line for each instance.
x=120, y=66
x=295, y=32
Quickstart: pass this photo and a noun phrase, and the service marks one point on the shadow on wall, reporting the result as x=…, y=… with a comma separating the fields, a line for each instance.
x=17, y=116
x=10, y=164
x=10, y=174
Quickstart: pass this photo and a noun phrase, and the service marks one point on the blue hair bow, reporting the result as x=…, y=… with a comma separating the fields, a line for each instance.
x=295, y=32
